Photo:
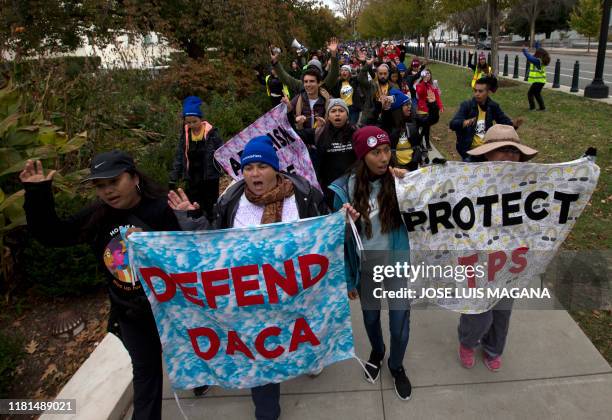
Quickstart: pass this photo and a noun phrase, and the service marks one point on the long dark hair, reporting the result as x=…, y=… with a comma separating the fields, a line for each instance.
x=543, y=55
x=388, y=209
x=344, y=133
x=483, y=67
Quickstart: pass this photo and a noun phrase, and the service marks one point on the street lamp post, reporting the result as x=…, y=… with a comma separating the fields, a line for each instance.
x=597, y=88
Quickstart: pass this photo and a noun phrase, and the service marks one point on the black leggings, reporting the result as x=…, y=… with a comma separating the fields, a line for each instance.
x=141, y=340
x=206, y=193
x=536, y=91
x=424, y=125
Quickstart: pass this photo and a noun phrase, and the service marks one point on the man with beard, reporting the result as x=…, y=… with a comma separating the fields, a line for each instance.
x=376, y=91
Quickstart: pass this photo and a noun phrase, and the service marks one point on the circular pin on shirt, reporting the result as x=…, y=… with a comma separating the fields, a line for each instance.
x=372, y=141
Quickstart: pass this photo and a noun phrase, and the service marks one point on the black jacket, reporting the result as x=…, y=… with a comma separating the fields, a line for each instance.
x=309, y=201
x=98, y=225
x=411, y=128
x=182, y=167
x=469, y=109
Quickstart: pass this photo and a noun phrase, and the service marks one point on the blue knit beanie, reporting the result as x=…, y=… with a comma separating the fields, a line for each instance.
x=191, y=106
x=400, y=99
x=259, y=149
x=401, y=67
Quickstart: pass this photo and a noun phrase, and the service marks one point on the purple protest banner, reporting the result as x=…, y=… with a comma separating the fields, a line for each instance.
x=290, y=148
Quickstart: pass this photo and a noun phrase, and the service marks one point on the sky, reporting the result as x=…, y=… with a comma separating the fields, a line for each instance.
x=330, y=4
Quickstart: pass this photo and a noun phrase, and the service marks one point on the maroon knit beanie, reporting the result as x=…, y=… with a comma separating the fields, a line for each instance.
x=368, y=138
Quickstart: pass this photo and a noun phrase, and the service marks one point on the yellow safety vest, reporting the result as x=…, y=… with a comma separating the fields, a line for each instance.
x=537, y=75
x=478, y=73
x=285, y=88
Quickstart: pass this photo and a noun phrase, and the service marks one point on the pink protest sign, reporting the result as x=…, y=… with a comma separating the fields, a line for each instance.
x=291, y=150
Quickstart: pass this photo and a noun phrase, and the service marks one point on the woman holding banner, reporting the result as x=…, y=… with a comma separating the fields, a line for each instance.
x=490, y=328
x=265, y=195
x=370, y=189
x=126, y=198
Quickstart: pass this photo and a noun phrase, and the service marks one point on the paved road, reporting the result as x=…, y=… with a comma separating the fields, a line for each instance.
x=586, y=74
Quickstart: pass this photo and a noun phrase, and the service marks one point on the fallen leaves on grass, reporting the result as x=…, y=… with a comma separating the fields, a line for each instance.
x=51, y=369
x=31, y=347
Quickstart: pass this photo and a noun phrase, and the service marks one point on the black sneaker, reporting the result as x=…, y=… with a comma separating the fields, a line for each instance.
x=373, y=366
x=403, y=387
x=200, y=391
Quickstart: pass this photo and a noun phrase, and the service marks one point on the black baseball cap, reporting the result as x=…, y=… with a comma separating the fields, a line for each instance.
x=109, y=165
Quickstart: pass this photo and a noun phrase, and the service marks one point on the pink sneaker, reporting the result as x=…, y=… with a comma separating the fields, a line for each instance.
x=466, y=356
x=492, y=363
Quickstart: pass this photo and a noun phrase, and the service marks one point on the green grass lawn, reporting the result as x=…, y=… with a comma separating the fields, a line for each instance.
x=563, y=132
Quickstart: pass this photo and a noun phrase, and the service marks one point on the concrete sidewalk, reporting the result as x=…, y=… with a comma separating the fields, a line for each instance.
x=550, y=370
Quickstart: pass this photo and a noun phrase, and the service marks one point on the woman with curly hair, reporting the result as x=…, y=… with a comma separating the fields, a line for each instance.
x=537, y=75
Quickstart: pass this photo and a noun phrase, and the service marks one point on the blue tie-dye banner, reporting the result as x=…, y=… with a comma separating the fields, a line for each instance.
x=248, y=306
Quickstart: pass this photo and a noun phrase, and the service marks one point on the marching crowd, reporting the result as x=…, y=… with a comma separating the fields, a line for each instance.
x=365, y=118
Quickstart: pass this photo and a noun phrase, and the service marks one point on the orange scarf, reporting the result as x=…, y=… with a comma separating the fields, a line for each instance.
x=273, y=200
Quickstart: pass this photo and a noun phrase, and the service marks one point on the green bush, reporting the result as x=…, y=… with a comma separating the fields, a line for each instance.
x=69, y=271
x=231, y=115
x=10, y=354
x=72, y=66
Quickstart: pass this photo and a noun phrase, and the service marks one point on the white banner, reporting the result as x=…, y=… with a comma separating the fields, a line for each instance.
x=503, y=219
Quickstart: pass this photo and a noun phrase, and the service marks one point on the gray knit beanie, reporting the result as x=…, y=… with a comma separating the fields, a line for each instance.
x=316, y=63
x=335, y=102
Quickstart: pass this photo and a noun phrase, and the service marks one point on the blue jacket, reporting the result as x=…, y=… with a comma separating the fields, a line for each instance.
x=352, y=263
x=533, y=60
x=469, y=109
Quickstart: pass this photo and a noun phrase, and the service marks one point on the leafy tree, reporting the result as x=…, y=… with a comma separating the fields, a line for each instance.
x=393, y=18
x=585, y=19
x=36, y=26
x=350, y=11
x=236, y=27
x=468, y=21
x=554, y=16
x=318, y=23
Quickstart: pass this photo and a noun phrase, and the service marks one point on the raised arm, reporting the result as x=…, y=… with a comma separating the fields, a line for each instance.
x=39, y=206
x=292, y=83
x=533, y=60
x=334, y=71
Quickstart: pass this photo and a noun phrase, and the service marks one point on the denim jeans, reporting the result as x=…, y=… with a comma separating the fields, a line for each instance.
x=399, y=327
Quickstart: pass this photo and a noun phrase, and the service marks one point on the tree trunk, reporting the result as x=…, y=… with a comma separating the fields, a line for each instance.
x=494, y=19
x=533, y=15
x=426, y=46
